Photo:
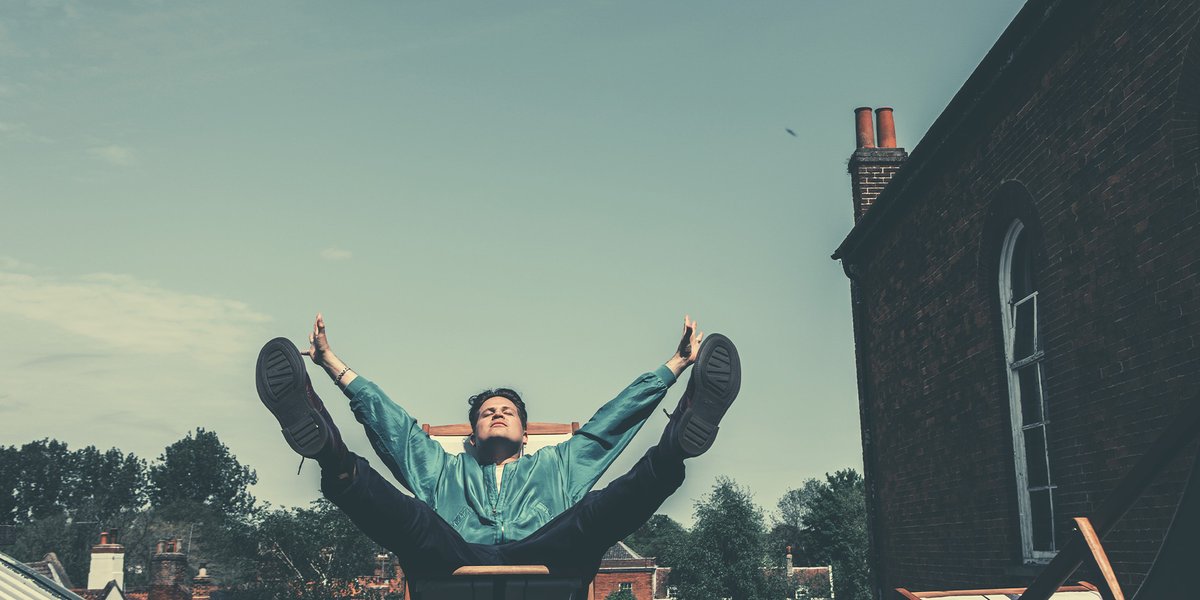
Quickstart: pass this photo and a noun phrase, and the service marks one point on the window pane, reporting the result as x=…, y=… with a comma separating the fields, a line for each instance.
x=1043, y=520
x=1021, y=276
x=1035, y=457
x=1031, y=394
x=1025, y=342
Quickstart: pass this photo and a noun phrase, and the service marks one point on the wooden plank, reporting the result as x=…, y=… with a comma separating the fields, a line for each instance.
x=1101, y=557
x=1179, y=433
x=1082, y=586
x=493, y=570
x=534, y=428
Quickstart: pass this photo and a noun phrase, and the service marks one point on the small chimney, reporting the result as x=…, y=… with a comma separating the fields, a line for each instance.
x=202, y=585
x=108, y=563
x=168, y=573
x=886, y=128
x=872, y=167
x=863, y=129
x=788, y=563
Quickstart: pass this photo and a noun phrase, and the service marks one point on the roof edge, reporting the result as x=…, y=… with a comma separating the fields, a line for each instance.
x=1038, y=22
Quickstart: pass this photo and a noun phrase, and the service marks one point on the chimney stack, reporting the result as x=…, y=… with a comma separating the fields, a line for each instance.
x=202, y=585
x=788, y=563
x=873, y=165
x=168, y=573
x=108, y=563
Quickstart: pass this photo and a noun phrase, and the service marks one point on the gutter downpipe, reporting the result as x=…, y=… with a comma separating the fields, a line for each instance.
x=862, y=368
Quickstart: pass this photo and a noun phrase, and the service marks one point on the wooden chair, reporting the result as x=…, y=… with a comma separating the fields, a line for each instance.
x=509, y=582
x=1173, y=572
x=1081, y=591
x=454, y=438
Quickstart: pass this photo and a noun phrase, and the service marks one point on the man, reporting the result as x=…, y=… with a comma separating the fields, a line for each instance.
x=497, y=505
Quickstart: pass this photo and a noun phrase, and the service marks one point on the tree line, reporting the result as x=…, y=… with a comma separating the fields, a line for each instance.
x=54, y=499
x=735, y=550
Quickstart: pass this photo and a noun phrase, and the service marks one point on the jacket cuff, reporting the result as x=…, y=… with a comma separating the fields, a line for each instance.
x=664, y=373
x=356, y=386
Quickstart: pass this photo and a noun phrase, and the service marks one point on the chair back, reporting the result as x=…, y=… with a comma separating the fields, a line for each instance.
x=455, y=438
x=1081, y=591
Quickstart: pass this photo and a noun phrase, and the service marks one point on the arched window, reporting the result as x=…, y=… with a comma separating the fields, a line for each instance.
x=1024, y=355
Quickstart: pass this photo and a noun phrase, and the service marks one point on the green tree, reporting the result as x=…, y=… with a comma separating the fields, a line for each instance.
x=620, y=595
x=788, y=528
x=318, y=544
x=837, y=521
x=70, y=540
x=10, y=474
x=103, y=485
x=661, y=537
x=43, y=477
x=199, y=472
x=724, y=556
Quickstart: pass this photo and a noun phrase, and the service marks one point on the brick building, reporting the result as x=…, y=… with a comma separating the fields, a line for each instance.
x=622, y=568
x=1025, y=292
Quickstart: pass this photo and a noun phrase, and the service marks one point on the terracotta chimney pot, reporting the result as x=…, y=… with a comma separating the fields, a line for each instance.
x=863, y=128
x=887, y=127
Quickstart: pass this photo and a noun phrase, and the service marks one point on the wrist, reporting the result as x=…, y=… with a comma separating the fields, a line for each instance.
x=677, y=364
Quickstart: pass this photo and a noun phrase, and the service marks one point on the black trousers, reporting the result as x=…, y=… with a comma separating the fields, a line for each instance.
x=573, y=542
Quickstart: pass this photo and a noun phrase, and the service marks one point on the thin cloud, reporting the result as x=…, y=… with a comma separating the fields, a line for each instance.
x=19, y=131
x=59, y=358
x=122, y=314
x=333, y=253
x=8, y=263
x=121, y=156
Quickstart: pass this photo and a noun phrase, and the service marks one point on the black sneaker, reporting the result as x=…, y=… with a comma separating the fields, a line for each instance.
x=284, y=387
x=714, y=384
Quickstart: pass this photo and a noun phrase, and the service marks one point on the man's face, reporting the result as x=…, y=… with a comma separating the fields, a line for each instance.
x=498, y=418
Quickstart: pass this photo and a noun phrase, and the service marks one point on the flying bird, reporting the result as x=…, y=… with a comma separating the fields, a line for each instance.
x=791, y=132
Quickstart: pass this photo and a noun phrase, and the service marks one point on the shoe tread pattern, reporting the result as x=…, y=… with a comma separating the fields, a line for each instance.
x=280, y=377
x=718, y=376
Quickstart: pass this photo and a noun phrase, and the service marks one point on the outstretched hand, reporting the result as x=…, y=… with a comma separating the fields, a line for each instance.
x=689, y=344
x=689, y=347
x=318, y=343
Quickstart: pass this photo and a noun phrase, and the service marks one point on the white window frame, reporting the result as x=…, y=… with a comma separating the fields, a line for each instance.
x=1008, y=316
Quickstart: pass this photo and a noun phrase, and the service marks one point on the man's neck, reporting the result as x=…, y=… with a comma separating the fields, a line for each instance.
x=499, y=456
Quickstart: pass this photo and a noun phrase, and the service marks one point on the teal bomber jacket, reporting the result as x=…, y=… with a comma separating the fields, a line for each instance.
x=534, y=489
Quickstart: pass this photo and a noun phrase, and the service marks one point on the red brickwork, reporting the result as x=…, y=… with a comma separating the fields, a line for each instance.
x=870, y=171
x=1095, y=129
x=642, y=581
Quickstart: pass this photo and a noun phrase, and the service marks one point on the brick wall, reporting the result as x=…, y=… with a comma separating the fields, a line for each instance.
x=1093, y=133
x=870, y=171
x=608, y=582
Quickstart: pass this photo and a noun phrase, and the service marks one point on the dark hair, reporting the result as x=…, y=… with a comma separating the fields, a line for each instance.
x=506, y=393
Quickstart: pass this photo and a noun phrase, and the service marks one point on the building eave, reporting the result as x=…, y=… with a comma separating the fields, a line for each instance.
x=1039, y=27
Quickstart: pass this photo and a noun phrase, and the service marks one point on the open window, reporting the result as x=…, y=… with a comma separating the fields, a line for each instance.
x=1024, y=356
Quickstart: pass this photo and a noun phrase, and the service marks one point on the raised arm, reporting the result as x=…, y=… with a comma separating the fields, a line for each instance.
x=398, y=440
x=588, y=453
x=323, y=356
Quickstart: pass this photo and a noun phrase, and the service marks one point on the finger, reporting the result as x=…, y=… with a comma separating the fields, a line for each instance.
x=320, y=323
x=308, y=352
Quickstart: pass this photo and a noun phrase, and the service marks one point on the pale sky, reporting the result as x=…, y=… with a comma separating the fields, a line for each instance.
x=475, y=194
